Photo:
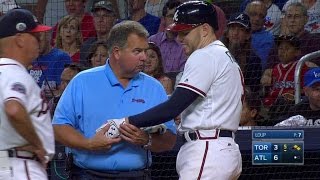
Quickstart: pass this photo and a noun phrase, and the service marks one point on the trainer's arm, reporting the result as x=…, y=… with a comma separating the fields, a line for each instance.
x=166, y=111
x=21, y=122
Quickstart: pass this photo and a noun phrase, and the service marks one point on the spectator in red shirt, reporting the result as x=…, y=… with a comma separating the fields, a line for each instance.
x=77, y=8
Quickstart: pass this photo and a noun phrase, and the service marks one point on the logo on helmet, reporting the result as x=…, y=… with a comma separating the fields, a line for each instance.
x=21, y=27
x=175, y=16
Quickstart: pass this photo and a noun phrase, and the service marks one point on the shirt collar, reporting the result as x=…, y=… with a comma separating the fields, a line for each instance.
x=134, y=82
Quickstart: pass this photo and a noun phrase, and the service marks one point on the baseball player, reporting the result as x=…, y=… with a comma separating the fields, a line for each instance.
x=26, y=133
x=210, y=95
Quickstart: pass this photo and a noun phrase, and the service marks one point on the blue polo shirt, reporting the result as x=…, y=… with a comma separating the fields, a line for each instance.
x=94, y=96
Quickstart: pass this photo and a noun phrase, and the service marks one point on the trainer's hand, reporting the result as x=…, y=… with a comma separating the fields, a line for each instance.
x=134, y=135
x=113, y=131
x=100, y=141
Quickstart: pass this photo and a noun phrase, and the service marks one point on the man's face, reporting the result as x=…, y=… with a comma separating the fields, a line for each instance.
x=313, y=94
x=189, y=40
x=257, y=14
x=237, y=34
x=103, y=20
x=133, y=56
x=44, y=41
x=168, y=19
x=75, y=7
x=135, y=5
x=295, y=19
x=31, y=45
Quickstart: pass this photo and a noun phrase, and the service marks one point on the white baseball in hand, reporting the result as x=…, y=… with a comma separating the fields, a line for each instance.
x=113, y=131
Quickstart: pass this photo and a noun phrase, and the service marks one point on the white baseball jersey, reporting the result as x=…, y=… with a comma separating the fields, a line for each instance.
x=212, y=73
x=17, y=84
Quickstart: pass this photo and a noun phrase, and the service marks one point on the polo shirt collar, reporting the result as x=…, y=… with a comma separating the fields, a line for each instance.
x=134, y=82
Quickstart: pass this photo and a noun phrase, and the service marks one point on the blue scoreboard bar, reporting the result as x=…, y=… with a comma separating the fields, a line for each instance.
x=277, y=147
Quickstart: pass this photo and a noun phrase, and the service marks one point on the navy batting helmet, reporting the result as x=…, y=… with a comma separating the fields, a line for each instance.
x=192, y=14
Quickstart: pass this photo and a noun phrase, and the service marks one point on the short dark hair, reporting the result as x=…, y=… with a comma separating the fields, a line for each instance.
x=74, y=66
x=170, y=5
x=93, y=48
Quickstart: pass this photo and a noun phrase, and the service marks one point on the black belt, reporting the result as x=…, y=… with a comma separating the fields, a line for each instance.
x=194, y=135
x=118, y=174
x=22, y=154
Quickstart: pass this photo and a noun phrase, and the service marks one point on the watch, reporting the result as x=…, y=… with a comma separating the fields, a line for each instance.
x=148, y=145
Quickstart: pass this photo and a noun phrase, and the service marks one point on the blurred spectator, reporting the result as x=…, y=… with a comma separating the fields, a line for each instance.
x=262, y=41
x=47, y=68
x=69, y=37
x=138, y=13
x=250, y=114
x=309, y=107
x=173, y=55
x=237, y=39
x=104, y=18
x=69, y=71
x=272, y=20
x=313, y=12
x=76, y=8
x=281, y=95
x=154, y=7
x=154, y=68
x=6, y=5
x=295, y=18
x=98, y=54
x=279, y=3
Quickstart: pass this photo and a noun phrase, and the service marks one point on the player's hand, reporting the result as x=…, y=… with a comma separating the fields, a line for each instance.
x=40, y=152
x=102, y=142
x=134, y=135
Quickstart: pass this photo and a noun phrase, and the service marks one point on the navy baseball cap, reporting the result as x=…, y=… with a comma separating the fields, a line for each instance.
x=312, y=76
x=20, y=21
x=240, y=18
x=102, y=4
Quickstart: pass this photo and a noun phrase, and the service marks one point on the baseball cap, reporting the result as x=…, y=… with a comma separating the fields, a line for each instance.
x=102, y=4
x=312, y=76
x=192, y=14
x=240, y=18
x=294, y=41
x=20, y=21
x=6, y=5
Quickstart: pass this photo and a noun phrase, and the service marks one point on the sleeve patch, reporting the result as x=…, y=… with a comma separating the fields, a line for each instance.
x=19, y=88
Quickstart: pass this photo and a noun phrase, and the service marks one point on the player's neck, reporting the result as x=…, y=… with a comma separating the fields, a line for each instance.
x=206, y=41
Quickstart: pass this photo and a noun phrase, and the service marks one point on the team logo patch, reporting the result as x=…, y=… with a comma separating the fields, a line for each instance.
x=19, y=88
x=138, y=100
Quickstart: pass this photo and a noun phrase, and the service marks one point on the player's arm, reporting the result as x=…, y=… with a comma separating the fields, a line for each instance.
x=21, y=122
x=166, y=111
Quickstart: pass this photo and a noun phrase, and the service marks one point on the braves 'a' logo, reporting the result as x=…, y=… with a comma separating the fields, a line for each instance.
x=175, y=16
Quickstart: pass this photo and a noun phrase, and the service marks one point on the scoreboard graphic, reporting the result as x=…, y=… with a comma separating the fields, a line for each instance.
x=277, y=147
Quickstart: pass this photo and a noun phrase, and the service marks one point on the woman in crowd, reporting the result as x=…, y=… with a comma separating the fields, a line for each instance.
x=154, y=67
x=98, y=54
x=69, y=37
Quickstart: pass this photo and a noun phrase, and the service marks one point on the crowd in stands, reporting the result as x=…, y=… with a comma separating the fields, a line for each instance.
x=266, y=37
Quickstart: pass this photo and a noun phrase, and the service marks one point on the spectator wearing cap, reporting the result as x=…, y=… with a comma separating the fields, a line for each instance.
x=309, y=107
x=262, y=41
x=6, y=5
x=173, y=55
x=237, y=39
x=77, y=8
x=282, y=76
x=26, y=134
x=104, y=18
